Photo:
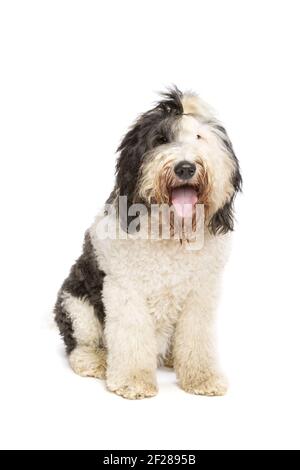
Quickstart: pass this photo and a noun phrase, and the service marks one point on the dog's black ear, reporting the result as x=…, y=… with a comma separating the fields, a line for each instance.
x=223, y=220
x=131, y=151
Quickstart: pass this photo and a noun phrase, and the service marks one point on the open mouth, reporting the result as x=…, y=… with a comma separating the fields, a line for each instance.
x=184, y=199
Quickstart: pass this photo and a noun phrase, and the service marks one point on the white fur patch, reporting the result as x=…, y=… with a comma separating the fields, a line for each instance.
x=218, y=162
x=86, y=326
x=192, y=104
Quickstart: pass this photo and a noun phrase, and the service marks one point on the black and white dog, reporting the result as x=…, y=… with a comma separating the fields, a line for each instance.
x=132, y=302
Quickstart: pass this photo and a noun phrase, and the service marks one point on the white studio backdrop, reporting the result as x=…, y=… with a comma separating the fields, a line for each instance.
x=73, y=76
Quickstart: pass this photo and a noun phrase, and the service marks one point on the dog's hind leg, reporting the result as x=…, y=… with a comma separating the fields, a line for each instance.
x=79, y=314
x=82, y=333
x=88, y=361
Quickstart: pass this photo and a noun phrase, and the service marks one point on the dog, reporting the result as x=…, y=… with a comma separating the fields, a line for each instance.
x=132, y=303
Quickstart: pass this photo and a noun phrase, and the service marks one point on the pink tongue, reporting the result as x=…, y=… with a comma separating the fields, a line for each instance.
x=183, y=200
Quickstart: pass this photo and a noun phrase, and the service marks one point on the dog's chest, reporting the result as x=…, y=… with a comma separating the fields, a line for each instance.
x=160, y=269
x=163, y=273
x=156, y=268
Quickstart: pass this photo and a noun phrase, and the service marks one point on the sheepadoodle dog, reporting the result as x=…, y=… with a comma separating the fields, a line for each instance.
x=136, y=298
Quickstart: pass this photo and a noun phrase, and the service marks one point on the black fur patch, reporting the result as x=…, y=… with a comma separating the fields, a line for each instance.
x=153, y=128
x=223, y=220
x=85, y=281
x=64, y=324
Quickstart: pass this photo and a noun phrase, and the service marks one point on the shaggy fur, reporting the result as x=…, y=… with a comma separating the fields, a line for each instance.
x=85, y=281
x=132, y=304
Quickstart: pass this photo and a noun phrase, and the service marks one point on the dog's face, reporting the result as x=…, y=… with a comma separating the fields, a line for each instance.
x=178, y=153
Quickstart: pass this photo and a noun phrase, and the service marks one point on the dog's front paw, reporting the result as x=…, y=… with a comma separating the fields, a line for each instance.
x=213, y=385
x=139, y=385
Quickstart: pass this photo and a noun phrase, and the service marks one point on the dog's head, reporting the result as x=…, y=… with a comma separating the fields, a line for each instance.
x=178, y=153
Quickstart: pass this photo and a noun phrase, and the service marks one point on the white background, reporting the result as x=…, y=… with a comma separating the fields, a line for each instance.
x=74, y=74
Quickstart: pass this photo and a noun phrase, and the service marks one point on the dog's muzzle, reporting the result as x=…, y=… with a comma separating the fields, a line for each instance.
x=184, y=197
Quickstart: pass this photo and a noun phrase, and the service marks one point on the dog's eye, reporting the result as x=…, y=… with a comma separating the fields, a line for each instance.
x=198, y=136
x=162, y=140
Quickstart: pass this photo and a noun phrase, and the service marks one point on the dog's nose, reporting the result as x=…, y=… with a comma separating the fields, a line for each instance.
x=185, y=170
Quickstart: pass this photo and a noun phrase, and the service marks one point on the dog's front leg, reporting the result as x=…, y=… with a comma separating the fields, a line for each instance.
x=130, y=342
x=195, y=358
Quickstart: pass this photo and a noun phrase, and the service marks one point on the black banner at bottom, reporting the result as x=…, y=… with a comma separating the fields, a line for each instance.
x=126, y=458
